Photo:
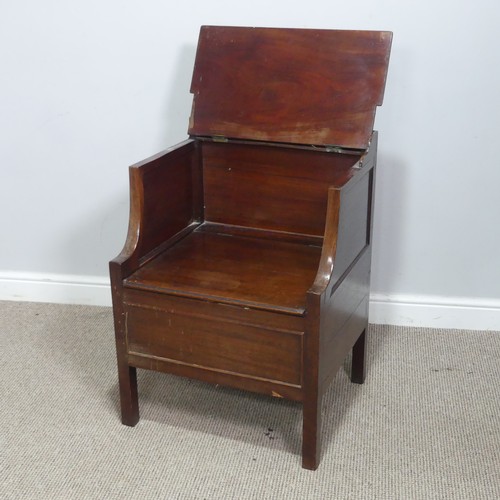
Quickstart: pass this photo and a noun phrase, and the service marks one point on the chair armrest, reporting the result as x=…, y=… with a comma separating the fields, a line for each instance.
x=349, y=206
x=164, y=203
x=327, y=259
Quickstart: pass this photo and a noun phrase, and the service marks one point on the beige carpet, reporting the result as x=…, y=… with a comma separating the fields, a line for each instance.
x=425, y=425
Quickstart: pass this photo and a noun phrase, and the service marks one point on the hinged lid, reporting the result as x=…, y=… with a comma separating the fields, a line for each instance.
x=295, y=86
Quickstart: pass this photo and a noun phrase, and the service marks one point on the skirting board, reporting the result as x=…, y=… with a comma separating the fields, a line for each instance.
x=430, y=311
x=55, y=288
x=403, y=310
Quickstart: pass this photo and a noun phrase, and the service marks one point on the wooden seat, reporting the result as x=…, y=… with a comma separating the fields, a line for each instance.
x=221, y=267
x=247, y=260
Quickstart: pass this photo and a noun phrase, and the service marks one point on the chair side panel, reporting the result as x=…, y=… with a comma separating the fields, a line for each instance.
x=169, y=196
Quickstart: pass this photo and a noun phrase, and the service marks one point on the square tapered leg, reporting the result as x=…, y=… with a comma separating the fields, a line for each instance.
x=358, y=369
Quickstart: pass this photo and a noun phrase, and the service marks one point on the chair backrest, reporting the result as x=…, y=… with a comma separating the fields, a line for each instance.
x=268, y=187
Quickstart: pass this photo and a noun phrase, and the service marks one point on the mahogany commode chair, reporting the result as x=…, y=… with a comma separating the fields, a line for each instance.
x=247, y=260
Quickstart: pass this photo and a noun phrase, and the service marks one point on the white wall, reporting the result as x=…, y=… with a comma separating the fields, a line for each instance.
x=90, y=87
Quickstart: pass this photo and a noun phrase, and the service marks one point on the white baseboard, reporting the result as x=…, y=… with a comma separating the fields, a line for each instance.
x=430, y=311
x=55, y=288
x=404, y=310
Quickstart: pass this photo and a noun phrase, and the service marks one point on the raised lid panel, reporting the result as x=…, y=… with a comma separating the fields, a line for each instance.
x=294, y=86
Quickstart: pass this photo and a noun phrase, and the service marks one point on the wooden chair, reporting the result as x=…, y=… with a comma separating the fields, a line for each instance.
x=247, y=260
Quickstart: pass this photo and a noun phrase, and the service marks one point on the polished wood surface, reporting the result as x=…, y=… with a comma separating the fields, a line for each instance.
x=271, y=188
x=165, y=199
x=246, y=263
x=251, y=272
x=216, y=320
x=289, y=85
x=217, y=344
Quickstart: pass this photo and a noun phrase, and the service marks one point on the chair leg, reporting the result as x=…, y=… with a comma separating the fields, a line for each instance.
x=129, y=402
x=358, y=369
x=311, y=445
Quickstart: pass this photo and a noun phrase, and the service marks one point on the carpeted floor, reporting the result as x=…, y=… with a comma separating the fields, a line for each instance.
x=425, y=425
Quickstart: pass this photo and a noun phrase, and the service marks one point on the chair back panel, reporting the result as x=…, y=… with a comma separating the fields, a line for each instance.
x=273, y=188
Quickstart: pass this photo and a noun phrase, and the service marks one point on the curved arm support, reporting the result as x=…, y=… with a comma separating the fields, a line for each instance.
x=130, y=250
x=163, y=203
x=327, y=259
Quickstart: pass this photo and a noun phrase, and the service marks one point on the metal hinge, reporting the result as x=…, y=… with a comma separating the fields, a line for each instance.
x=328, y=148
x=219, y=138
x=334, y=149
